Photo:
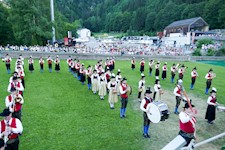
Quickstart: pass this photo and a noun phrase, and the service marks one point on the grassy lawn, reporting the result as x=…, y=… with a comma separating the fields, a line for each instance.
x=60, y=113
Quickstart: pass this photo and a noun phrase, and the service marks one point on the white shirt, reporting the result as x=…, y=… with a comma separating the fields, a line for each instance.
x=21, y=88
x=121, y=89
x=157, y=87
x=143, y=101
x=209, y=99
x=17, y=130
x=140, y=84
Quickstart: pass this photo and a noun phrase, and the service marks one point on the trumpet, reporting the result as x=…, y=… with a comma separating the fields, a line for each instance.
x=17, y=99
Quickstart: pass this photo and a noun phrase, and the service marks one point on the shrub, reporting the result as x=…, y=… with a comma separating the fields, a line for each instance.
x=220, y=52
x=210, y=52
x=197, y=52
x=204, y=41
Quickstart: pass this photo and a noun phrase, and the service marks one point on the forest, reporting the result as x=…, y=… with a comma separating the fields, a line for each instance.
x=28, y=22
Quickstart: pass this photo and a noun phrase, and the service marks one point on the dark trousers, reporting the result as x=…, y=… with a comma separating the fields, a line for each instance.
x=208, y=84
x=124, y=102
x=7, y=66
x=146, y=120
x=187, y=136
x=178, y=99
x=193, y=81
x=13, y=146
x=17, y=115
x=139, y=94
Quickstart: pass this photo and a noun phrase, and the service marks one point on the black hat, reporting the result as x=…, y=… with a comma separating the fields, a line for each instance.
x=142, y=75
x=210, y=69
x=187, y=106
x=182, y=65
x=88, y=66
x=5, y=112
x=15, y=78
x=124, y=79
x=194, y=68
x=148, y=90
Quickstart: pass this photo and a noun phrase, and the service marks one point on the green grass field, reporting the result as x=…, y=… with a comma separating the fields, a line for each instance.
x=60, y=113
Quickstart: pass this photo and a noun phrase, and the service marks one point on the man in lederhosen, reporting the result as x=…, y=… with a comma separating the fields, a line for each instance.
x=211, y=109
x=14, y=102
x=41, y=63
x=150, y=64
x=123, y=88
x=49, y=60
x=194, y=74
x=133, y=63
x=209, y=76
x=173, y=73
x=141, y=88
x=178, y=91
x=147, y=99
x=7, y=61
x=68, y=61
x=10, y=129
x=88, y=74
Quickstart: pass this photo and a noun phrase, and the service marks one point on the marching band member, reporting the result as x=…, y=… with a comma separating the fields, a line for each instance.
x=164, y=69
x=73, y=69
x=211, y=109
x=178, y=91
x=141, y=88
x=10, y=129
x=118, y=80
x=15, y=74
x=21, y=75
x=102, y=85
x=41, y=63
x=7, y=61
x=57, y=63
x=31, y=64
x=124, y=97
x=157, y=70
x=194, y=74
x=82, y=74
x=173, y=73
x=49, y=60
x=187, y=123
x=181, y=71
x=17, y=85
x=94, y=81
x=108, y=75
x=142, y=65
x=157, y=90
x=113, y=63
x=14, y=102
x=77, y=67
x=150, y=64
x=89, y=73
x=68, y=61
x=107, y=63
x=112, y=98
x=18, y=64
x=147, y=99
x=133, y=63
x=209, y=76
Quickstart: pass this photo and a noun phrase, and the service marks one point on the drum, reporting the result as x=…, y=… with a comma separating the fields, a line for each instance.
x=129, y=90
x=157, y=111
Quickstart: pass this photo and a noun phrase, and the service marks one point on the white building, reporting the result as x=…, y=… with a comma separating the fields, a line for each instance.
x=84, y=35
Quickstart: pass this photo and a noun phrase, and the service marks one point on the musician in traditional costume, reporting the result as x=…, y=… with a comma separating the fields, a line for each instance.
x=41, y=63
x=31, y=64
x=178, y=91
x=113, y=63
x=17, y=65
x=94, y=81
x=141, y=88
x=211, y=109
x=164, y=69
x=72, y=67
x=187, y=123
x=57, y=64
x=142, y=65
x=88, y=74
x=123, y=88
x=157, y=90
x=21, y=75
x=151, y=64
x=49, y=60
x=17, y=85
x=108, y=75
x=68, y=61
x=7, y=61
x=14, y=102
x=173, y=70
x=82, y=74
x=133, y=63
x=194, y=74
x=15, y=74
x=102, y=85
x=77, y=67
x=10, y=129
x=181, y=71
x=112, y=98
x=209, y=76
x=118, y=80
x=157, y=70
x=147, y=99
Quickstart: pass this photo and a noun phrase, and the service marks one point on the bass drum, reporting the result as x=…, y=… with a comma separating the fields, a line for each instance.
x=129, y=90
x=157, y=111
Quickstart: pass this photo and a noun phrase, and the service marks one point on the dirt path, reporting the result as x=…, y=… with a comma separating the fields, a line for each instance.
x=164, y=132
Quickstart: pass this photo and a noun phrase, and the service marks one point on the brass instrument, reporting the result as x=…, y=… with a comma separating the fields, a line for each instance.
x=17, y=99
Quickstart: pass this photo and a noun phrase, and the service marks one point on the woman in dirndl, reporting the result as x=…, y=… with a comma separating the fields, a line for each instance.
x=57, y=66
x=157, y=70
x=112, y=98
x=94, y=81
x=102, y=85
x=31, y=64
x=211, y=109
